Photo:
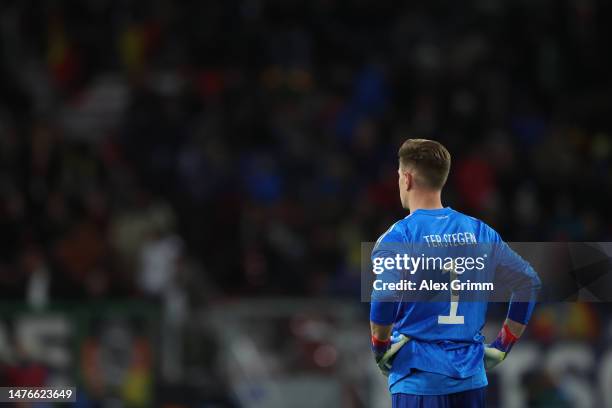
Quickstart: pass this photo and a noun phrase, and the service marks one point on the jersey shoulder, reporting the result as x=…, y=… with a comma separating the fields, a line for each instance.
x=486, y=233
x=391, y=240
x=395, y=233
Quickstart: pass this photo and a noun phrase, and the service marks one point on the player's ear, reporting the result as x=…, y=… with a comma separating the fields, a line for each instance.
x=409, y=180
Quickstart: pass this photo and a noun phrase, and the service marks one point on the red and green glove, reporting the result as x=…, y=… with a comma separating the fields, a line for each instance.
x=497, y=351
x=385, y=350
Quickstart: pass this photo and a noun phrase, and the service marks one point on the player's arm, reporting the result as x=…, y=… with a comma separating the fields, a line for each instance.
x=385, y=303
x=384, y=345
x=382, y=315
x=525, y=285
x=383, y=309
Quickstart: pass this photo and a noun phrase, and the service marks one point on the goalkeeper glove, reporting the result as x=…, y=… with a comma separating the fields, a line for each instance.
x=385, y=351
x=379, y=348
x=497, y=351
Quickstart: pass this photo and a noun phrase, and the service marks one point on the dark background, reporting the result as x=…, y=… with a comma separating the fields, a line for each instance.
x=166, y=166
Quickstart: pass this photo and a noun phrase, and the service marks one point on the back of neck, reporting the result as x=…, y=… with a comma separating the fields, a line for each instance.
x=431, y=201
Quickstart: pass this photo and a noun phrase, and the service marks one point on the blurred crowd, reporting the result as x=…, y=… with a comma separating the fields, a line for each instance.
x=258, y=139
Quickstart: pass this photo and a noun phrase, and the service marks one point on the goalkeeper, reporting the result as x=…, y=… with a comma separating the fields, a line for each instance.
x=433, y=352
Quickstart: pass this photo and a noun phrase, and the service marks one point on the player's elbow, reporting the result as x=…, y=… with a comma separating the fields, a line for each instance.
x=527, y=288
x=536, y=282
x=531, y=280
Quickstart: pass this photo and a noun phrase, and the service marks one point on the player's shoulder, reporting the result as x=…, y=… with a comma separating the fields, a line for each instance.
x=468, y=218
x=397, y=232
x=389, y=240
x=485, y=231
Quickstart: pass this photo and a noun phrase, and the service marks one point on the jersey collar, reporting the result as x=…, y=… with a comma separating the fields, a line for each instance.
x=437, y=211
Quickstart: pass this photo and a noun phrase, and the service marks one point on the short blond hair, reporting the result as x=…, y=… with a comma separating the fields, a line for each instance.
x=429, y=158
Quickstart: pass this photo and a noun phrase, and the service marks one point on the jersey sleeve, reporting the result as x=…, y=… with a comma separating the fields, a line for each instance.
x=512, y=270
x=384, y=304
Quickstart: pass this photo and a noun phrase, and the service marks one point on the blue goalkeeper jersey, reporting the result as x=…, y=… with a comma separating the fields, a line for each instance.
x=445, y=354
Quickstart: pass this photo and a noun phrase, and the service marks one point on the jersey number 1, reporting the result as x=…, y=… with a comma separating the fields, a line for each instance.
x=452, y=317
